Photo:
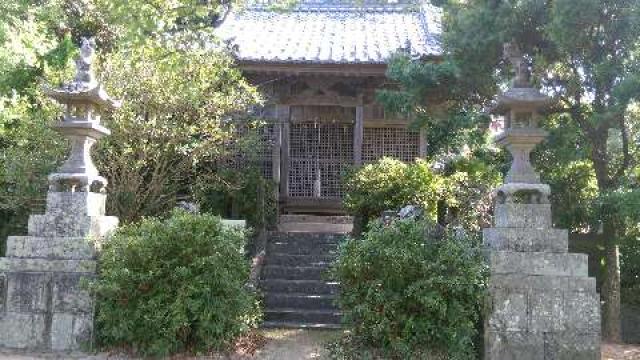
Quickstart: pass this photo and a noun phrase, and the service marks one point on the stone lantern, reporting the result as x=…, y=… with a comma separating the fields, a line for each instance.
x=521, y=105
x=83, y=99
x=542, y=304
x=44, y=307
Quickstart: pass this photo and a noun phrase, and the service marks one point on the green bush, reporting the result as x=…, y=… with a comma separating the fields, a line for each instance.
x=239, y=194
x=173, y=285
x=468, y=184
x=388, y=184
x=410, y=292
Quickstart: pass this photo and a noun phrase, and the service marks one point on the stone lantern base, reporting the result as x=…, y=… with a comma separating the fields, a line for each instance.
x=43, y=305
x=542, y=303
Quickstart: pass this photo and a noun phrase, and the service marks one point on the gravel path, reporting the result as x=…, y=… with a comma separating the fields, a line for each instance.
x=297, y=345
x=620, y=352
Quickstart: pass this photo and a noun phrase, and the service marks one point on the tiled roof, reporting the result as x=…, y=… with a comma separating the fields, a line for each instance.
x=323, y=32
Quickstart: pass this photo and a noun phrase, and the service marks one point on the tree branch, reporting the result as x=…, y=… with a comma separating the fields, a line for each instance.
x=626, y=156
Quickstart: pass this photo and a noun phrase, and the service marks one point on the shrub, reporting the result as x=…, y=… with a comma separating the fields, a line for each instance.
x=172, y=285
x=409, y=292
x=239, y=194
x=388, y=184
x=467, y=192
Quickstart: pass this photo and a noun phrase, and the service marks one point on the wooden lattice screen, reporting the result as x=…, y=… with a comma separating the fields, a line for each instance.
x=396, y=142
x=257, y=151
x=322, y=148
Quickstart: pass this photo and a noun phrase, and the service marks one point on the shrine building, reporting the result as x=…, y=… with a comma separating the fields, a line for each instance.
x=319, y=64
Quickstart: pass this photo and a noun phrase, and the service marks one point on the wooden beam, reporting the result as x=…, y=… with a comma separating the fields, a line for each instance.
x=358, y=132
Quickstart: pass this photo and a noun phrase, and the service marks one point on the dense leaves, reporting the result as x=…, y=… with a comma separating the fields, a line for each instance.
x=460, y=190
x=409, y=291
x=180, y=90
x=173, y=124
x=389, y=184
x=174, y=285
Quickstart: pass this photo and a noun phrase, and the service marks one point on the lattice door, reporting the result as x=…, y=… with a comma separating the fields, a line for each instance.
x=319, y=153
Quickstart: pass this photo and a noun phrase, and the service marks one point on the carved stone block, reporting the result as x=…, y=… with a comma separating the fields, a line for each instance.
x=526, y=239
x=28, y=292
x=546, y=312
x=59, y=225
x=514, y=345
x=71, y=331
x=538, y=263
x=508, y=311
x=69, y=296
x=23, y=331
x=536, y=216
x=571, y=346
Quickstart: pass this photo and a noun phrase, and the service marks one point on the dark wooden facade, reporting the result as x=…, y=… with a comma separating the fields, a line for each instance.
x=322, y=120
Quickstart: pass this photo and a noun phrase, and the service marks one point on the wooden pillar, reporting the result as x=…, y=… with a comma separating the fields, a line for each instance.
x=422, y=146
x=283, y=113
x=358, y=133
x=275, y=156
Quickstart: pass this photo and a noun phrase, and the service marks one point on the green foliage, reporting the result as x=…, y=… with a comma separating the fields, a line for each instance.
x=169, y=130
x=468, y=185
x=173, y=285
x=389, y=184
x=430, y=94
x=408, y=292
x=243, y=194
x=178, y=97
x=463, y=188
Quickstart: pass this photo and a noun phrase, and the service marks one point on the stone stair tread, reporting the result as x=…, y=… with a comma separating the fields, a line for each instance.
x=302, y=295
x=299, y=325
x=305, y=311
x=335, y=219
x=302, y=281
x=309, y=227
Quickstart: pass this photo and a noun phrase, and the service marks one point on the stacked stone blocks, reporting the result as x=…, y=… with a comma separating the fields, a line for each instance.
x=543, y=305
x=44, y=304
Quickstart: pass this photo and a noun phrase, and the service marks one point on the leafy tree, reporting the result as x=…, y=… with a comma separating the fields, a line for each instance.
x=171, y=127
x=585, y=55
x=180, y=89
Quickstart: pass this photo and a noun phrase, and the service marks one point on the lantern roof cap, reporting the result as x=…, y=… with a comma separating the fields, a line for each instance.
x=84, y=88
x=521, y=97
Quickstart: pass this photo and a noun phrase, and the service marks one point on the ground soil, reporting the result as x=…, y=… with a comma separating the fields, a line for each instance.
x=279, y=344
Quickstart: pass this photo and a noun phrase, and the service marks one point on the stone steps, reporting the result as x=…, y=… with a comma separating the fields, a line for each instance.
x=294, y=279
x=300, y=301
x=299, y=286
x=294, y=273
x=298, y=260
x=303, y=316
x=315, y=224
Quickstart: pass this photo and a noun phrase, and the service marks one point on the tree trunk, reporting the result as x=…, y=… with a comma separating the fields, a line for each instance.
x=610, y=292
x=611, y=325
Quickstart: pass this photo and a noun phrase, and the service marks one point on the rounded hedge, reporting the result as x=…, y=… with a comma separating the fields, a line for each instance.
x=410, y=291
x=172, y=285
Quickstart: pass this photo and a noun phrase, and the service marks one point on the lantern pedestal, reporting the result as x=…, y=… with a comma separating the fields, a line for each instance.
x=542, y=304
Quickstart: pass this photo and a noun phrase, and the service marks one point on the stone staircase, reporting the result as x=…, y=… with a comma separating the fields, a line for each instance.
x=293, y=280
